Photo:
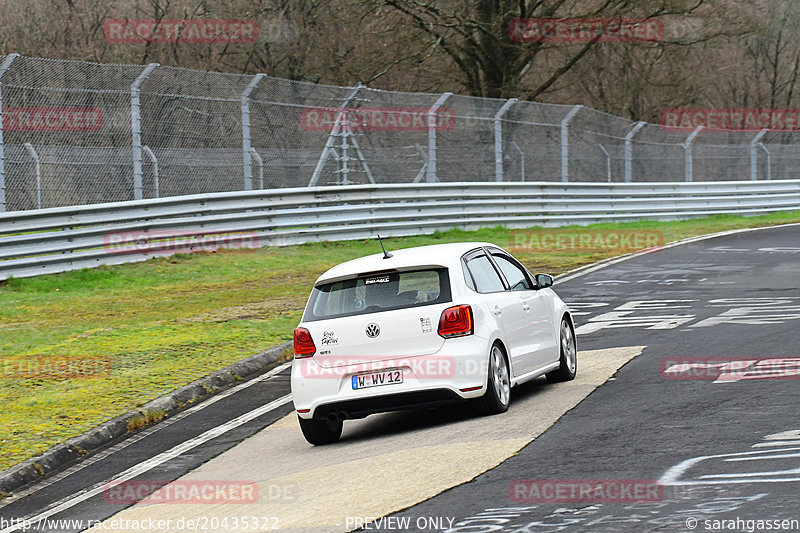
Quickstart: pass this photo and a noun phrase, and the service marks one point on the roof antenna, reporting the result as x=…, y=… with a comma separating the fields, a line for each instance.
x=386, y=255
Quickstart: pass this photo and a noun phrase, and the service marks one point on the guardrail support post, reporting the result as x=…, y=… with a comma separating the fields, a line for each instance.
x=498, y=139
x=36, y=173
x=687, y=149
x=754, y=154
x=136, y=130
x=565, y=142
x=629, y=150
x=3, y=68
x=154, y=162
x=260, y=162
x=430, y=175
x=246, y=153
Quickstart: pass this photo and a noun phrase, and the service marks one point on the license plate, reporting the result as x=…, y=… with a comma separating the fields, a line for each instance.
x=376, y=379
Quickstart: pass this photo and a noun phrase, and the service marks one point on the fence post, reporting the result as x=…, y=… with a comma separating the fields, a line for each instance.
x=260, y=167
x=430, y=175
x=246, y=154
x=343, y=174
x=608, y=161
x=629, y=150
x=498, y=139
x=769, y=160
x=521, y=161
x=36, y=173
x=565, y=142
x=754, y=154
x=136, y=130
x=154, y=162
x=687, y=149
x=3, y=68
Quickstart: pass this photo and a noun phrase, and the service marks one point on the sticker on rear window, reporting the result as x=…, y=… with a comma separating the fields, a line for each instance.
x=378, y=279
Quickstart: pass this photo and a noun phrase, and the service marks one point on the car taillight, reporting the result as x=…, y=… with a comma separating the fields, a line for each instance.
x=456, y=322
x=303, y=343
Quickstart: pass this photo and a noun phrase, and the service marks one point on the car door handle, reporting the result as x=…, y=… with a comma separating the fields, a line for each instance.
x=526, y=307
x=497, y=310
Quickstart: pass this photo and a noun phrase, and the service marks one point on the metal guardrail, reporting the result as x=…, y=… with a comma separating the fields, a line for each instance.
x=69, y=238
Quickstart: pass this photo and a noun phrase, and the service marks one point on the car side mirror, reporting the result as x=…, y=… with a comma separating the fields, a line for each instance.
x=544, y=280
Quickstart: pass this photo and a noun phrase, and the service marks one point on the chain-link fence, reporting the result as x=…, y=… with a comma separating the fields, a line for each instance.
x=78, y=133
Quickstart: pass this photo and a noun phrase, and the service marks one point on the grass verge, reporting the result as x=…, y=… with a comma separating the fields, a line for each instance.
x=144, y=329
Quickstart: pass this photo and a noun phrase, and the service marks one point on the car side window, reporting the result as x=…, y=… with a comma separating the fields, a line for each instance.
x=484, y=274
x=515, y=275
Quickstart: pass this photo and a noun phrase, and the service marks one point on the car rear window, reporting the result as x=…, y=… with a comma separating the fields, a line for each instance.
x=379, y=291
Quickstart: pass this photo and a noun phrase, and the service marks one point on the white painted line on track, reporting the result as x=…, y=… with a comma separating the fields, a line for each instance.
x=142, y=434
x=163, y=457
x=674, y=474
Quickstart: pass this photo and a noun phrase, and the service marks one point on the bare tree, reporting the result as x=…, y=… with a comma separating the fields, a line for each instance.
x=713, y=53
x=474, y=35
x=773, y=54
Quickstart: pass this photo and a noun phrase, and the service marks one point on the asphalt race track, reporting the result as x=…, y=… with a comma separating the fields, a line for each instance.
x=683, y=418
x=725, y=448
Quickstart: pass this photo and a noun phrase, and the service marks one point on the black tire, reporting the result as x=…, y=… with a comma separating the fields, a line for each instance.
x=497, y=397
x=319, y=432
x=569, y=354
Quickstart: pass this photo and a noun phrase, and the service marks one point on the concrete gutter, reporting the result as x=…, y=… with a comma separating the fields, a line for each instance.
x=54, y=459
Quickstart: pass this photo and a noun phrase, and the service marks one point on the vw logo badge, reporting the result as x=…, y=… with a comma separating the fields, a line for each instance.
x=373, y=330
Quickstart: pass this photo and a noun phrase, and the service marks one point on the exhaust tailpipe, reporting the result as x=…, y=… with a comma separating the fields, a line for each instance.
x=335, y=416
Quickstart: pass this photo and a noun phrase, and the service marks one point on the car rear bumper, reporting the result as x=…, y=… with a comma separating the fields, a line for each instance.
x=361, y=407
x=428, y=380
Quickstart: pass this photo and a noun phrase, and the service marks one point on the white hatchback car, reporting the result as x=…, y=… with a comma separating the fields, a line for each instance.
x=425, y=326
